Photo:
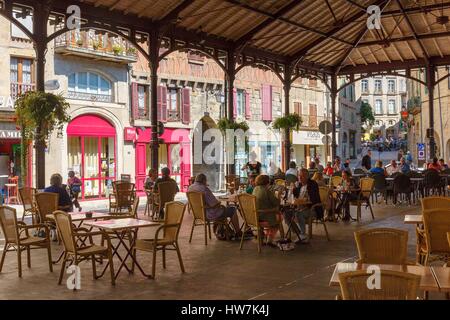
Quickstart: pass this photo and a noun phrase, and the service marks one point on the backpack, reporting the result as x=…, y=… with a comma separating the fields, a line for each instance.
x=223, y=231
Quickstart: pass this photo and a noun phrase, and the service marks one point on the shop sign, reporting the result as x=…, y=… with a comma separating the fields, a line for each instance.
x=130, y=134
x=6, y=103
x=421, y=151
x=307, y=137
x=10, y=134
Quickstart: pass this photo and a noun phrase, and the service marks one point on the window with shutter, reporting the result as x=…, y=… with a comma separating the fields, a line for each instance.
x=266, y=102
x=162, y=103
x=135, y=100
x=297, y=108
x=186, y=105
x=248, y=111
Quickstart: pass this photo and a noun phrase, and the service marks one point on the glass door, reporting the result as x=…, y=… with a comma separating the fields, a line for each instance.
x=174, y=162
x=91, y=165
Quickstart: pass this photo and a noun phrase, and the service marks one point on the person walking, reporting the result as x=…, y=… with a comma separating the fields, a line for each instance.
x=74, y=184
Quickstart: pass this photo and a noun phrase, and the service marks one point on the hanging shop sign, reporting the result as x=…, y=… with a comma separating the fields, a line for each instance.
x=307, y=137
x=130, y=134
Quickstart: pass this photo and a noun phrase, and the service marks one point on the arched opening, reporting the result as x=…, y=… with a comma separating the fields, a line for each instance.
x=205, y=160
x=91, y=149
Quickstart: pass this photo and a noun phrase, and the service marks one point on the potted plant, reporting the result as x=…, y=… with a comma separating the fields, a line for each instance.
x=96, y=45
x=225, y=124
x=118, y=50
x=80, y=42
x=38, y=115
x=292, y=120
x=414, y=105
x=131, y=51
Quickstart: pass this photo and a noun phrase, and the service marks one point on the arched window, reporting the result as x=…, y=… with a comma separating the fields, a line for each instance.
x=89, y=86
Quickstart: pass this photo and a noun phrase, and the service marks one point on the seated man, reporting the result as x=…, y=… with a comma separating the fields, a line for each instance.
x=214, y=209
x=56, y=186
x=306, y=189
x=150, y=179
x=165, y=176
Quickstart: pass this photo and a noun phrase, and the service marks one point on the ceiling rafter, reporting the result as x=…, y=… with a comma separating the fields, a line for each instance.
x=275, y=17
x=114, y=5
x=430, y=31
x=288, y=21
x=175, y=12
x=411, y=27
x=358, y=39
x=299, y=55
x=354, y=3
x=331, y=10
x=130, y=6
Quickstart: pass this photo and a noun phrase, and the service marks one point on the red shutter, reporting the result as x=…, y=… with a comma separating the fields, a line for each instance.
x=135, y=100
x=185, y=105
x=266, y=102
x=234, y=103
x=248, y=111
x=297, y=108
x=162, y=103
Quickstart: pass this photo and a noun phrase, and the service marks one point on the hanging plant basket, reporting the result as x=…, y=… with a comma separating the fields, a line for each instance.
x=290, y=121
x=415, y=105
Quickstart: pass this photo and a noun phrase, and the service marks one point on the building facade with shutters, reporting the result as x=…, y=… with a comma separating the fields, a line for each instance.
x=387, y=96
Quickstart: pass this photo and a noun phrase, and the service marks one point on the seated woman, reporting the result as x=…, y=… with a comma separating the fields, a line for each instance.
x=378, y=169
x=56, y=186
x=347, y=189
x=214, y=209
x=150, y=179
x=267, y=206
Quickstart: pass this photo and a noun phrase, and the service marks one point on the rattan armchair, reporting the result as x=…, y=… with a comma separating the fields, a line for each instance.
x=430, y=203
x=435, y=243
x=394, y=285
x=77, y=251
x=247, y=203
x=166, y=193
x=364, y=195
x=324, y=197
x=335, y=181
x=122, y=196
x=174, y=212
x=17, y=238
x=26, y=195
x=47, y=203
x=382, y=246
x=197, y=204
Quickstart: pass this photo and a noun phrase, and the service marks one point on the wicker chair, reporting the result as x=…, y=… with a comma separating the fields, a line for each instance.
x=380, y=186
x=402, y=185
x=18, y=239
x=26, y=195
x=430, y=203
x=435, y=245
x=169, y=240
x=47, y=203
x=247, y=203
x=366, y=189
x=149, y=203
x=394, y=286
x=335, y=181
x=232, y=182
x=166, y=193
x=382, y=246
x=324, y=197
x=77, y=251
x=337, y=174
x=197, y=204
x=280, y=182
x=432, y=183
x=122, y=197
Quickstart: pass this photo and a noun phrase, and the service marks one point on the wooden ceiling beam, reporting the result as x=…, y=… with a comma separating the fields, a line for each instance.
x=299, y=55
x=175, y=12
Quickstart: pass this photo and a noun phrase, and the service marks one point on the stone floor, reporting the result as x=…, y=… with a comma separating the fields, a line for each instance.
x=216, y=271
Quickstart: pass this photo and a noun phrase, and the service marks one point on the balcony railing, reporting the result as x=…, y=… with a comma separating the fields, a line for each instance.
x=89, y=96
x=87, y=43
x=19, y=88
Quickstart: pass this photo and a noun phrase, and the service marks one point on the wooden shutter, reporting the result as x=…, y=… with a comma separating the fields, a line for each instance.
x=297, y=108
x=185, y=105
x=162, y=103
x=248, y=111
x=312, y=115
x=141, y=164
x=266, y=102
x=135, y=100
x=234, y=103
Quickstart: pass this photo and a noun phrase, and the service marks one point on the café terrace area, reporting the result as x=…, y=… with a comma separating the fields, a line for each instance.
x=325, y=40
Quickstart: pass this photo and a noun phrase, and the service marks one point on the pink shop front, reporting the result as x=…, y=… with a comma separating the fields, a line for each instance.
x=174, y=154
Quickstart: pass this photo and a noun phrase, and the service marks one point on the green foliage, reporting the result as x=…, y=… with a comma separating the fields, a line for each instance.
x=414, y=102
x=292, y=120
x=80, y=42
x=118, y=50
x=373, y=136
x=367, y=114
x=38, y=114
x=225, y=123
x=131, y=50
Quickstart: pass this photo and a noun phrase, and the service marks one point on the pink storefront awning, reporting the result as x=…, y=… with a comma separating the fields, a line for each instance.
x=90, y=125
